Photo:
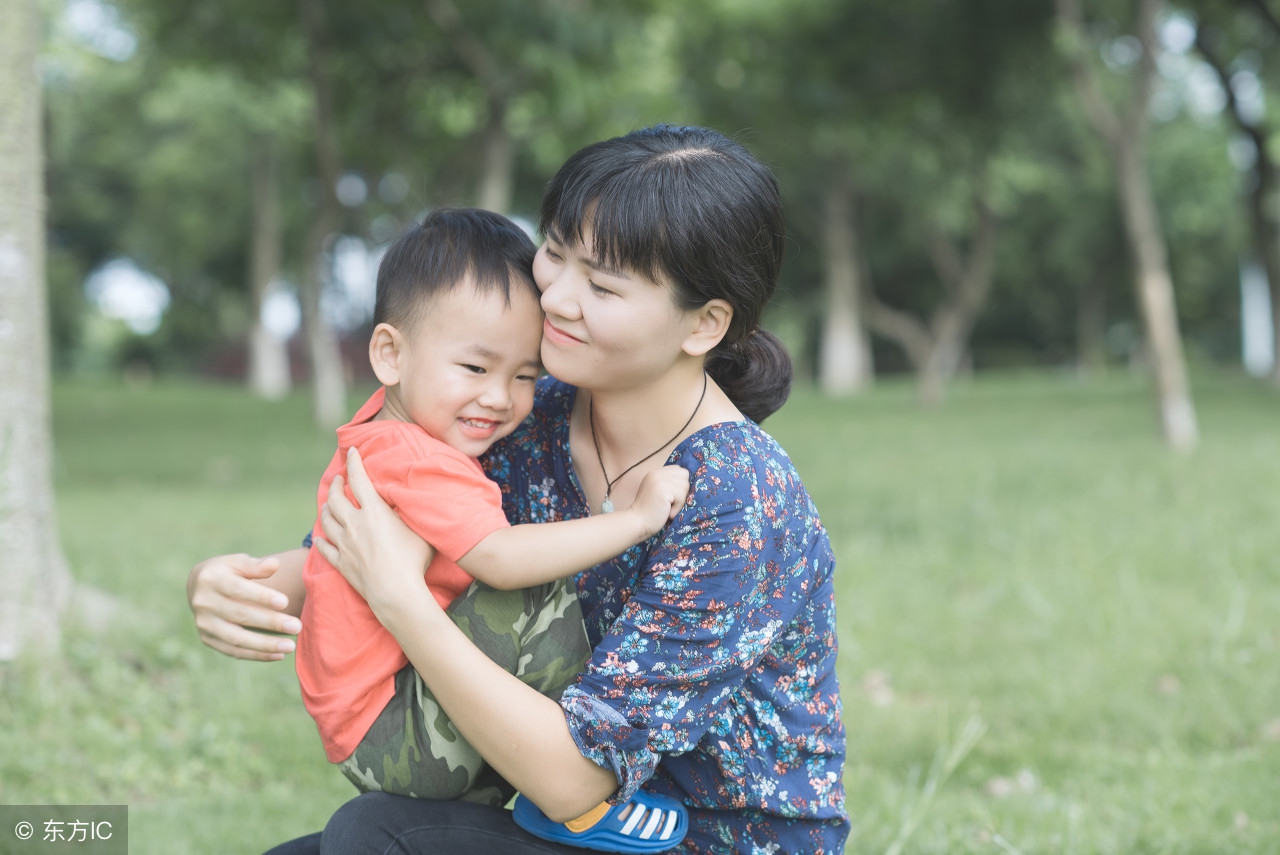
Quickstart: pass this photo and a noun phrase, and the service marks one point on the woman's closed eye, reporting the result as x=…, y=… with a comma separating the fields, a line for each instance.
x=601, y=291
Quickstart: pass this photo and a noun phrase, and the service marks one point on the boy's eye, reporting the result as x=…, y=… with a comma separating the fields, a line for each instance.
x=474, y=369
x=553, y=255
x=531, y=378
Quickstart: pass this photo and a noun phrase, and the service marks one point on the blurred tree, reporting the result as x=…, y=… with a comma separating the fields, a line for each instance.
x=844, y=362
x=1231, y=35
x=34, y=580
x=216, y=142
x=891, y=126
x=1061, y=277
x=412, y=106
x=328, y=380
x=938, y=346
x=277, y=59
x=892, y=114
x=540, y=75
x=770, y=67
x=268, y=371
x=169, y=188
x=496, y=80
x=1203, y=210
x=882, y=119
x=1125, y=134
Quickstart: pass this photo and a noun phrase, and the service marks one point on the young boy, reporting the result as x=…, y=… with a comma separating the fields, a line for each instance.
x=456, y=342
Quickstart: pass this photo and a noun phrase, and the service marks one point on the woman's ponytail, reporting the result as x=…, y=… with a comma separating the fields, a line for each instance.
x=755, y=373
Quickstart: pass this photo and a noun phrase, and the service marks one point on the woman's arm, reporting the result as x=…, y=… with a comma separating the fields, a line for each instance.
x=239, y=601
x=520, y=732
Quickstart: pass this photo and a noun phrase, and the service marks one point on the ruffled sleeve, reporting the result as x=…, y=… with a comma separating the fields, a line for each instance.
x=610, y=741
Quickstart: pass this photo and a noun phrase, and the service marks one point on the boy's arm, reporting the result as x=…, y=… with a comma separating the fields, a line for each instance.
x=535, y=553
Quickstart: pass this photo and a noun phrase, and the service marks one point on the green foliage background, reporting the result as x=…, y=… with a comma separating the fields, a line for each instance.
x=918, y=101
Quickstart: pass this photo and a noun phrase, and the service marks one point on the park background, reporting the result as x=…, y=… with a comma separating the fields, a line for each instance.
x=1030, y=291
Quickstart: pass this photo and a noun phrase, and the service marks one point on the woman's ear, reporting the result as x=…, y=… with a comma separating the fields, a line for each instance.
x=384, y=354
x=711, y=323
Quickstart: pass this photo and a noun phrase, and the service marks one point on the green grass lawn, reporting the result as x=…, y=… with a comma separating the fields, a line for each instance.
x=1056, y=636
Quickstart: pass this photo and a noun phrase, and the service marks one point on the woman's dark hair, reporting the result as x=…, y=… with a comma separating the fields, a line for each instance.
x=694, y=206
x=439, y=254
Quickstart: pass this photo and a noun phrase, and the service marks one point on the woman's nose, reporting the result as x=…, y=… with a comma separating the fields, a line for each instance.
x=557, y=297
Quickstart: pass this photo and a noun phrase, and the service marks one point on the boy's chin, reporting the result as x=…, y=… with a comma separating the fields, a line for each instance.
x=497, y=438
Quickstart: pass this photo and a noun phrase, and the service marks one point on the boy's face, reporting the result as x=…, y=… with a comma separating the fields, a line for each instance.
x=467, y=369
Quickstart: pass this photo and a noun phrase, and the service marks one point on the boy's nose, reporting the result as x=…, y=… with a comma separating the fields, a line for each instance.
x=496, y=395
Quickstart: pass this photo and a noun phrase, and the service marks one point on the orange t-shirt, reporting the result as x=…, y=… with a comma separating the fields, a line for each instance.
x=346, y=660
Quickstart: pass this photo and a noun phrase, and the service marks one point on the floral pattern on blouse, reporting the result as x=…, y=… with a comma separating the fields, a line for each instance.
x=712, y=677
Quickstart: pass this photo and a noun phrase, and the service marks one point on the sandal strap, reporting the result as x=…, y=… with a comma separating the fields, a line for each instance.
x=652, y=819
x=589, y=818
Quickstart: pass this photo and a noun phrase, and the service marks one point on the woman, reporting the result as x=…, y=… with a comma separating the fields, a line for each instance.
x=712, y=678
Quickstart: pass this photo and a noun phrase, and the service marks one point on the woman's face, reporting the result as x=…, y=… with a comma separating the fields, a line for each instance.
x=604, y=328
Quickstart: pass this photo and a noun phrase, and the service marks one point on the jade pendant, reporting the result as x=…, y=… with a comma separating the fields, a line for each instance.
x=606, y=507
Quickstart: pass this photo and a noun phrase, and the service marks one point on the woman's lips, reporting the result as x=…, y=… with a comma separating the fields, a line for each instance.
x=557, y=335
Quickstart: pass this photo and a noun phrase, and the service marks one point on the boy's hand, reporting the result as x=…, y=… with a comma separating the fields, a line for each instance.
x=661, y=495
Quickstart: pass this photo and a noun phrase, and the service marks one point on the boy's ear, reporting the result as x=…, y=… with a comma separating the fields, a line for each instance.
x=384, y=353
x=711, y=324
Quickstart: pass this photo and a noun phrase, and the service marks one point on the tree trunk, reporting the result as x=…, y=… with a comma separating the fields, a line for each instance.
x=1091, y=328
x=268, y=372
x=1262, y=196
x=844, y=362
x=35, y=583
x=1156, y=298
x=1266, y=245
x=1273, y=286
x=968, y=282
x=497, y=182
x=497, y=179
x=328, y=379
x=328, y=376
x=1125, y=136
x=937, y=371
x=938, y=350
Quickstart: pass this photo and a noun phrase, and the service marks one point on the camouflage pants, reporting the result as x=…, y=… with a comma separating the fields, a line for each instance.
x=413, y=749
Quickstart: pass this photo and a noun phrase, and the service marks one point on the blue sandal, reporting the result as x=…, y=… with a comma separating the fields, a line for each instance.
x=647, y=823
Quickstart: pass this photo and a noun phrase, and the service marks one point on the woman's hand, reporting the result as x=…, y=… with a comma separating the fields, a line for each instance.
x=368, y=543
x=238, y=599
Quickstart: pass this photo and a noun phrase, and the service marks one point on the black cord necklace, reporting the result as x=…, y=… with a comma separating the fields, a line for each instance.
x=606, y=507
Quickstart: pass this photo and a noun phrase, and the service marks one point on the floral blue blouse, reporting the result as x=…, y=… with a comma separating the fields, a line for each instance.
x=713, y=674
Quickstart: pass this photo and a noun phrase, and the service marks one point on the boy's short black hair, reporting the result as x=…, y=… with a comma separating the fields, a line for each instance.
x=451, y=246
